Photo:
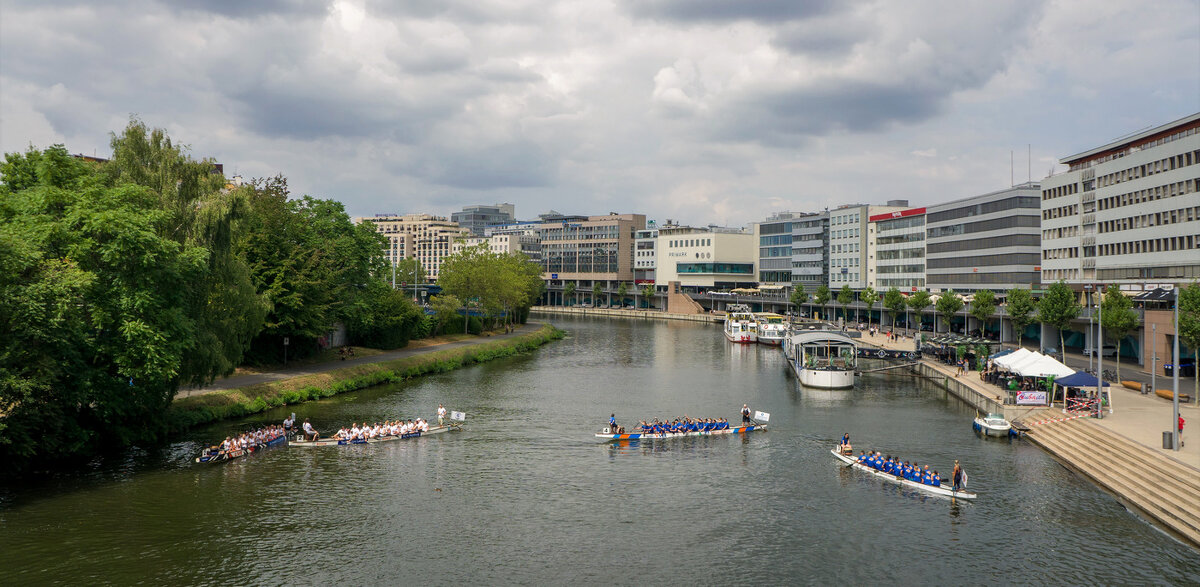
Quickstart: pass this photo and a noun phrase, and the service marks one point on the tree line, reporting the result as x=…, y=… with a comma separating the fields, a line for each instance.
x=122, y=281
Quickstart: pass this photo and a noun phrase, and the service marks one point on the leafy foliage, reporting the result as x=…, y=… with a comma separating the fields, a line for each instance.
x=948, y=305
x=894, y=301
x=1118, y=319
x=918, y=302
x=982, y=307
x=822, y=296
x=869, y=296
x=1020, y=306
x=1189, y=325
x=496, y=283
x=1058, y=308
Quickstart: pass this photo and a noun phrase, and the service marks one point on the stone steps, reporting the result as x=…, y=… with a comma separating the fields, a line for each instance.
x=1167, y=491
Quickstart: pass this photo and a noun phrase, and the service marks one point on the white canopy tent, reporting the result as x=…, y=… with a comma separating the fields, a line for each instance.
x=1045, y=367
x=1011, y=358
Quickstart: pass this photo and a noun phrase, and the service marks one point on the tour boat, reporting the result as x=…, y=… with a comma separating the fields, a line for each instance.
x=607, y=433
x=740, y=325
x=943, y=490
x=992, y=425
x=211, y=456
x=772, y=328
x=822, y=359
x=331, y=441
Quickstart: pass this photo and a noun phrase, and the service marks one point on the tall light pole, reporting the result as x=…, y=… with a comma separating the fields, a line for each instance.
x=1154, y=352
x=1091, y=351
x=1175, y=377
x=1100, y=354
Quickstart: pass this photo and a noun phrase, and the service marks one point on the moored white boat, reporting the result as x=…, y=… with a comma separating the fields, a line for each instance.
x=337, y=442
x=822, y=359
x=942, y=490
x=740, y=325
x=772, y=328
x=992, y=425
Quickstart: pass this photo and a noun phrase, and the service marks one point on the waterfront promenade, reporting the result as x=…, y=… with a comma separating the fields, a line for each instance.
x=1121, y=452
x=282, y=372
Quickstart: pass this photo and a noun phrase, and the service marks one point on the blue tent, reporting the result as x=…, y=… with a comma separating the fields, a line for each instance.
x=1079, y=379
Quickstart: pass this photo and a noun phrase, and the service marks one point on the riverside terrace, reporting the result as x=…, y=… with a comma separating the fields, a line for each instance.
x=1120, y=452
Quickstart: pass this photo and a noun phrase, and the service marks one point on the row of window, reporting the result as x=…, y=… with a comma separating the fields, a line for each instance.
x=848, y=219
x=766, y=241
x=1160, y=166
x=1187, y=272
x=900, y=254
x=983, y=261
x=1064, y=232
x=901, y=223
x=985, y=208
x=775, y=252
x=1153, y=245
x=1060, y=212
x=914, y=237
x=846, y=248
x=1050, y=275
x=1148, y=220
x=844, y=262
x=720, y=268
x=843, y=277
x=580, y=233
x=984, y=226
x=1169, y=190
x=1062, y=190
x=1136, y=147
x=885, y=269
x=775, y=228
x=690, y=242
x=901, y=282
x=844, y=233
x=1024, y=279
x=1064, y=253
x=1011, y=240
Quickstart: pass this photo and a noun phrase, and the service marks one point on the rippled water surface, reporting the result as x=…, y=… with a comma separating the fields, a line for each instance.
x=525, y=495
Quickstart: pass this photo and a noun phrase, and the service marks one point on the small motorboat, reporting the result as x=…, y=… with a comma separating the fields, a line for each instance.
x=993, y=425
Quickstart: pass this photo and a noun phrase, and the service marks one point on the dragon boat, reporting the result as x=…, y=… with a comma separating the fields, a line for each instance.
x=941, y=490
x=331, y=441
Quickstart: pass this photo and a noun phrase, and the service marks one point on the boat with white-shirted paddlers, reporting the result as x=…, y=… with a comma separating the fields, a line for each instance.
x=335, y=441
x=933, y=489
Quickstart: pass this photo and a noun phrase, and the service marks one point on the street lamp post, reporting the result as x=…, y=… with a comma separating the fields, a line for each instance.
x=1154, y=352
x=1099, y=354
x=1091, y=351
x=1175, y=378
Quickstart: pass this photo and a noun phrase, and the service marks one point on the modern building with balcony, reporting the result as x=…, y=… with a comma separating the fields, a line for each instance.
x=774, y=236
x=810, y=251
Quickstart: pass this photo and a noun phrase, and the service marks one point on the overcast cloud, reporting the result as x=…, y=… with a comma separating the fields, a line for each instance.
x=703, y=111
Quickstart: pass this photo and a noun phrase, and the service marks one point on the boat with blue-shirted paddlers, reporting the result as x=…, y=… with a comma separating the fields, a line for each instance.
x=933, y=489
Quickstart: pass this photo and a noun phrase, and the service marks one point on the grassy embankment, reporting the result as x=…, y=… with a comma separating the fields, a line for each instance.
x=233, y=403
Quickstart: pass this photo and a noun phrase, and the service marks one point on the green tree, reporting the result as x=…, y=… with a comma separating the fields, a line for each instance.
x=918, y=302
x=202, y=212
x=95, y=323
x=982, y=308
x=1019, y=305
x=597, y=289
x=845, y=297
x=569, y=291
x=1189, y=326
x=1118, y=319
x=799, y=298
x=893, y=300
x=383, y=317
x=622, y=291
x=445, y=311
x=822, y=297
x=869, y=296
x=409, y=272
x=947, y=305
x=1058, y=308
x=648, y=293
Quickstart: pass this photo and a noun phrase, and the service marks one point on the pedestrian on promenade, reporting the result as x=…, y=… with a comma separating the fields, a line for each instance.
x=1181, y=432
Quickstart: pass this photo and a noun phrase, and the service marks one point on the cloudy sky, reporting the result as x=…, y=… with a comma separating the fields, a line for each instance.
x=702, y=111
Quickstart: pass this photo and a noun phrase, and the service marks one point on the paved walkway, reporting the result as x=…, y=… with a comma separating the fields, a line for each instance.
x=1137, y=417
x=237, y=381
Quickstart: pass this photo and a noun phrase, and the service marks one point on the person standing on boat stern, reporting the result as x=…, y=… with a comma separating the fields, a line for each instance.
x=612, y=422
x=441, y=414
x=957, y=476
x=745, y=414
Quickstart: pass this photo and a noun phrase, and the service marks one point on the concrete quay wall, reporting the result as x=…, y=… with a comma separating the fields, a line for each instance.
x=629, y=314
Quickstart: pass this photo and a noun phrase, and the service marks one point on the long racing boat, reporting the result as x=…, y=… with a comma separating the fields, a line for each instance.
x=934, y=489
x=605, y=434
x=212, y=455
x=331, y=441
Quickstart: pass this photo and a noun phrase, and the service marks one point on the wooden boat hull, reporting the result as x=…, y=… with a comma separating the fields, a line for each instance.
x=942, y=491
x=335, y=442
x=664, y=436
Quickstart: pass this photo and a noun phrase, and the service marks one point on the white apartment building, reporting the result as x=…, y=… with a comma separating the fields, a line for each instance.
x=706, y=258
x=423, y=237
x=645, y=257
x=848, y=242
x=524, y=242
x=896, y=250
x=1127, y=212
x=774, y=238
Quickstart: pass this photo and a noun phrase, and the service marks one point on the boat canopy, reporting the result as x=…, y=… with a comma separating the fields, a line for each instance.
x=822, y=338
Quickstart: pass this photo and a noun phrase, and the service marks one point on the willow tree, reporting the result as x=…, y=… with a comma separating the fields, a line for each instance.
x=202, y=212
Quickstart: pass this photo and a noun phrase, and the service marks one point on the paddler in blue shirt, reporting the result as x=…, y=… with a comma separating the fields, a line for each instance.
x=937, y=480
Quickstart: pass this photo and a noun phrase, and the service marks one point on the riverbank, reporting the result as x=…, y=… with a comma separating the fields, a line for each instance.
x=1119, y=452
x=623, y=313
x=248, y=394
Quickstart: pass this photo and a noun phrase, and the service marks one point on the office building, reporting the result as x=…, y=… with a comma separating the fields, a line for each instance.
x=1127, y=212
x=991, y=241
x=587, y=249
x=774, y=237
x=702, y=259
x=423, y=237
x=896, y=250
x=848, y=242
x=480, y=217
x=810, y=251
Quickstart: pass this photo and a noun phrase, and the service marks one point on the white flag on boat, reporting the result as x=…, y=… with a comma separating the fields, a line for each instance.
x=458, y=416
x=765, y=417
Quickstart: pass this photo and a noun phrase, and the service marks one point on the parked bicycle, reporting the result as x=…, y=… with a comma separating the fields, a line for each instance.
x=1110, y=376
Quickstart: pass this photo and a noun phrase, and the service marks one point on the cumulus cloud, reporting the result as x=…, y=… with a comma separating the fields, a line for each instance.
x=705, y=110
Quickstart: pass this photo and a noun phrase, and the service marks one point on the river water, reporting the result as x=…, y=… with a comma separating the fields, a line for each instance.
x=525, y=495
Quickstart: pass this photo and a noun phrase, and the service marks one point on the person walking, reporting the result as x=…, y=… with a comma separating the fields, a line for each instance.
x=1181, y=432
